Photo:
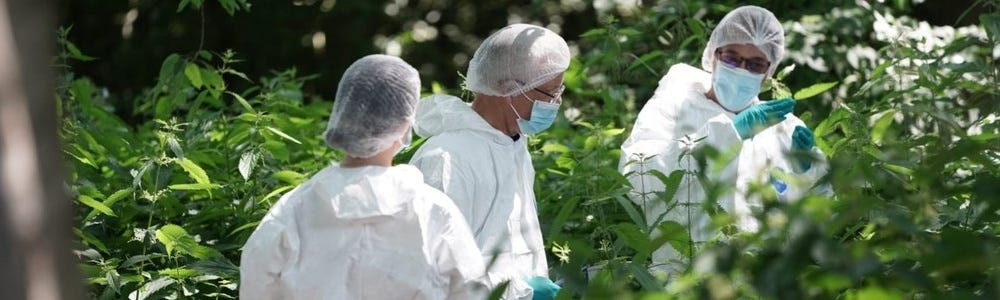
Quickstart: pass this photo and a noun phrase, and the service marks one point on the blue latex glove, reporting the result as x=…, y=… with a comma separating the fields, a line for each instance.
x=752, y=120
x=803, y=140
x=543, y=288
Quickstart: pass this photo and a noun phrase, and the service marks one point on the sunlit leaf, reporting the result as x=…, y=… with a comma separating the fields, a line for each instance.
x=151, y=287
x=283, y=135
x=244, y=103
x=289, y=176
x=194, y=171
x=247, y=162
x=193, y=186
x=813, y=90
x=193, y=74
x=97, y=205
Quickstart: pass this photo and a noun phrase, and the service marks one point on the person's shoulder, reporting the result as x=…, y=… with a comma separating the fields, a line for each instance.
x=459, y=143
x=686, y=74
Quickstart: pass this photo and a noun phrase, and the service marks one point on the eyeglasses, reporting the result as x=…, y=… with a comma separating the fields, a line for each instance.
x=555, y=97
x=754, y=65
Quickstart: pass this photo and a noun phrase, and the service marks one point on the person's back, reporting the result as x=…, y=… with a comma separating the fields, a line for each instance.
x=363, y=229
x=360, y=233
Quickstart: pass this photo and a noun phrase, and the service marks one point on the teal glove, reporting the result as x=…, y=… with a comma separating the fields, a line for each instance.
x=758, y=117
x=803, y=140
x=543, y=287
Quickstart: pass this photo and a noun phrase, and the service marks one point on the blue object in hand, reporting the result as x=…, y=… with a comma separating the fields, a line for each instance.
x=803, y=140
x=758, y=117
x=543, y=288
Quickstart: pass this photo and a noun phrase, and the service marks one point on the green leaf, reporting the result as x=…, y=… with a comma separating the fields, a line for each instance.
x=566, y=161
x=88, y=201
x=645, y=58
x=633, y=236
x=212, y=79
x=283, y=135
x=880, y=69
x=178, y=273
x=111, y=200
x=784, y=72
x=219, y=266
x=151, y=288
x=247, y=161
x=194, y=171
x=289, y=176
x=630, y=209
x=677, y=235
x=881, y=125
x=90, y=240
x=75, y=52
x=243, y=102
x=813, y=90
x=554, y=147
x=594, y=33
x=193, y=186
x=245, y=227
x=169, y=67
x=193, y=75
x=612, y=132
x=874, y=292
x=991, y=23
x=280, y=190
x=175, y=238
x=180, y=6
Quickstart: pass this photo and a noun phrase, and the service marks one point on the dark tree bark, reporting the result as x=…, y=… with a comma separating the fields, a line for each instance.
x=36, y=260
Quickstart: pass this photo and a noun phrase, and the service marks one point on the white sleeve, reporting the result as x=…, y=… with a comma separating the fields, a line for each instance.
x=265, y=255
x=460, y=259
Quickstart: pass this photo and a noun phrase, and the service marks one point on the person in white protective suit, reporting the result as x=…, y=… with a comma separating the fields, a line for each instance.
x=477, y=154
x=717, y=106
x=364, y=229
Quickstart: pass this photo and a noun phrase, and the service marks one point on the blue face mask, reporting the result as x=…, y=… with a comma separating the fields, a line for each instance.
x=735, y=88
x=542, y=116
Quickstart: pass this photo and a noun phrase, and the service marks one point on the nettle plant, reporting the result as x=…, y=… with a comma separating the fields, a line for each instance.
x=166, y=204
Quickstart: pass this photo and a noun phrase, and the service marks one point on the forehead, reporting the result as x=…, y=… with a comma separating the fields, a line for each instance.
x=747, y=51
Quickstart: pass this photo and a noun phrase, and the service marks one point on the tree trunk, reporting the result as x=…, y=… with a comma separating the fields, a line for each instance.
x=36, y=260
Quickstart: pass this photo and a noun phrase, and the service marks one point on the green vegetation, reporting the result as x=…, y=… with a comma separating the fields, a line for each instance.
x=168, y=190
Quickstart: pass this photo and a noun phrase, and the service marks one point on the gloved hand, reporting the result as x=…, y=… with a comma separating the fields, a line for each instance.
x=752, y=120
x=803, y=140
x=543, y=287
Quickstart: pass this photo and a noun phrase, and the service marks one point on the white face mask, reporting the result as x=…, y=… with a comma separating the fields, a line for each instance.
x=735, y=88
x=404, y=142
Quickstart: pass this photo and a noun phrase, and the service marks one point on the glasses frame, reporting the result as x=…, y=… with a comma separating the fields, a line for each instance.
x=742, y=62
x=554, y=98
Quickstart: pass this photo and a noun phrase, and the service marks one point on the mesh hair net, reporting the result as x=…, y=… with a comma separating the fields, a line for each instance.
x=517, y=58
x=375, y=102
x=748, y=25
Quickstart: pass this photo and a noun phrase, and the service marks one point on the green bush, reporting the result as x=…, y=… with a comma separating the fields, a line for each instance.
x=166, y=199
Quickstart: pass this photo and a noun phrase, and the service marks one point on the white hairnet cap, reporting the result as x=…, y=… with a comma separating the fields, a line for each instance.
x=748, y=25
x=375, y=102
x=517, y=58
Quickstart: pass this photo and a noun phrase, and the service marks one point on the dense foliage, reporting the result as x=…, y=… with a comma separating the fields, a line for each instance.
x=907, y=113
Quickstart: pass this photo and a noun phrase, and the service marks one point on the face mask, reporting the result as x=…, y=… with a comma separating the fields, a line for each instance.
x=404, y=142
x=735, y=88
x=542, y=116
